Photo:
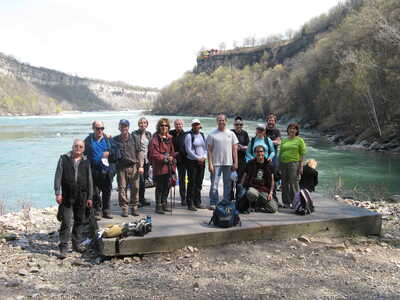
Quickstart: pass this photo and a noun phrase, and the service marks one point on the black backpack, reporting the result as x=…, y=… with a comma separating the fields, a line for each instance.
x=253, y=140
x=182, y=150
x=225, y=215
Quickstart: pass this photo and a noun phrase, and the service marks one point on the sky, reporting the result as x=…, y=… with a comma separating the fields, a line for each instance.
x=144, y=42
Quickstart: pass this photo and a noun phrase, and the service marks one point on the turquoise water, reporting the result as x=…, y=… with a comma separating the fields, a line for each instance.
x=30, y=148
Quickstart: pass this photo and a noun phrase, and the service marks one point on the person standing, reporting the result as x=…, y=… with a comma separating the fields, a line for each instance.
x=162, y=158
x=129, y=166
x=178, y=139
x=196, y=149
x=73, y=188
x=101, y=153
x=291, y=156
x=144, y=137
x=243, y=139
x=222, y=159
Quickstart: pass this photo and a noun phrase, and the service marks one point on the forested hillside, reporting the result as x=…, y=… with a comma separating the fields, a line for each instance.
x=346, y=81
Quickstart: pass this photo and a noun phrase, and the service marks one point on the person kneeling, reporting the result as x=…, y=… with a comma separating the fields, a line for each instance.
x=259, y=181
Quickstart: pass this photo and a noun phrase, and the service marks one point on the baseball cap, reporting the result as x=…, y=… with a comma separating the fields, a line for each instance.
x=261, y=126
x=124, y=122
x=195, y=121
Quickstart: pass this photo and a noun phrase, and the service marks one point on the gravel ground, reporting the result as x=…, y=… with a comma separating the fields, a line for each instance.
x=309, y=267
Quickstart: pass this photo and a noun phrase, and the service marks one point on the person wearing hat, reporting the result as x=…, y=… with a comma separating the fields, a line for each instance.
x=129, y=166
x=196, y=155
x=263, y=140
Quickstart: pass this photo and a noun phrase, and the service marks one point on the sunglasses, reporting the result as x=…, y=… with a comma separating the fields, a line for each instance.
x=164, y=125
x=99, y=128
x=238, y=124
x=78, y=146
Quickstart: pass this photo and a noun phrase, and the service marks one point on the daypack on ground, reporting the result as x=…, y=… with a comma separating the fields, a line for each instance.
x=225, y=215
x=302, y=203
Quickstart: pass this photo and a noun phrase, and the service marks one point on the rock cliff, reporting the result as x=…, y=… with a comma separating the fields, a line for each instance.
x=25, y=89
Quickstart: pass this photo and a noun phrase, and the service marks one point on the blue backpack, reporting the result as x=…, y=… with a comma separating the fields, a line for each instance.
x=225, y=215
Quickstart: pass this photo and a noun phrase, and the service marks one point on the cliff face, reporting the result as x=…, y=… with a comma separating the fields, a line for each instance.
x=249, y=56
x=25, y=89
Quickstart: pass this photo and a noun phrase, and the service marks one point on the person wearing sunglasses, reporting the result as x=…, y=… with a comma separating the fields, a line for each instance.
x=102, y=154
x=73, y=188
x=162, y=159
x=243, y=138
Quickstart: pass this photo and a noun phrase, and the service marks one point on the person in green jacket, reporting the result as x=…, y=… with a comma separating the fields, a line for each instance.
x=291, y=157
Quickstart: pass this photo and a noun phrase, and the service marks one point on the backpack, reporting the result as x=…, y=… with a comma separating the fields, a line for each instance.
x=182, y=150
x=253, y=140
x=225, y=215
x=302, y=203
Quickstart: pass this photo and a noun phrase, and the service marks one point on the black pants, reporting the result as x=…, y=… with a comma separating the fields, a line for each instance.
x=71, y=217
x=181, y=166
x=162, y=189
x=195, y=182
x=142, y=184
x=102, y=183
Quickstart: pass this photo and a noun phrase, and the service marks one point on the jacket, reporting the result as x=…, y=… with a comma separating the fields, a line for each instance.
x=157, y=150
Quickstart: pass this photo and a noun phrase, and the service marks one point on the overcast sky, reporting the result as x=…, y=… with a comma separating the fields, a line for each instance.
x=148, y=42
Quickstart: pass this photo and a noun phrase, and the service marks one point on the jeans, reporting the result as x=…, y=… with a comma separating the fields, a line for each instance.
x=195, y=182
x=225, y=171
x=290, y=181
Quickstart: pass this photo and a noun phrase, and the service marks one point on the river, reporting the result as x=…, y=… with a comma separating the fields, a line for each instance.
x=30, y=148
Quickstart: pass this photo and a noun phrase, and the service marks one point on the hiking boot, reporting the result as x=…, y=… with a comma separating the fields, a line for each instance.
x=183, y=203
x=107, y=215
x=160, y=211
x=78, y=248
x=124, y=213
x=97, y=215
x=192, y=208
x=211, y=207
x=199, y=206
x=63, y=252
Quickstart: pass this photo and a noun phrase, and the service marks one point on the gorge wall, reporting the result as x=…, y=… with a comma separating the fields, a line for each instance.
x=25, y=89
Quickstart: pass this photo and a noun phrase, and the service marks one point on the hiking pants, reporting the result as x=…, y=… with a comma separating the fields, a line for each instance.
x=102, y=183
x=162, y=189
x=225, y=172
x=181, y=166
x=71, y=217
x=261, y=200
x=290, y=181
x=195, y=182
x=128, y=176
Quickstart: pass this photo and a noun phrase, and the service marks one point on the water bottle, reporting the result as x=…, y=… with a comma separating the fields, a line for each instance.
x=148, y=219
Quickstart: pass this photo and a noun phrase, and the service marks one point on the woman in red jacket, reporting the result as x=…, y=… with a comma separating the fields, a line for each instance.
x=162, y=158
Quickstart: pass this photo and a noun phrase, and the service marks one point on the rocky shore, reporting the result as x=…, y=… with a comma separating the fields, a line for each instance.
x=308, y=267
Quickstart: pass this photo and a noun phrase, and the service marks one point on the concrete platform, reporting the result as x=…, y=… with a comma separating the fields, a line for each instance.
x=185, y=227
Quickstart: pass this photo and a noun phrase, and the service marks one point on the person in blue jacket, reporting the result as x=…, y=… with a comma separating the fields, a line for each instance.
x=263, y=140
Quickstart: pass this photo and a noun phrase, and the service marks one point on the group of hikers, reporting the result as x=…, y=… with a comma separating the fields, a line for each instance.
x=249, y=169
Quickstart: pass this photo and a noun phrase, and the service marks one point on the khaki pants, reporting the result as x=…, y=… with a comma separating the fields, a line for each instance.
x=126, y=176
x=261, y=200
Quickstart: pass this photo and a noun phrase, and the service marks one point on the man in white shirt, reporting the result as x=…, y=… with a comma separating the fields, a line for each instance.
x=222, y=159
